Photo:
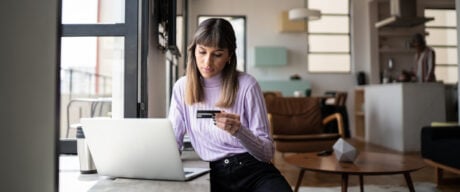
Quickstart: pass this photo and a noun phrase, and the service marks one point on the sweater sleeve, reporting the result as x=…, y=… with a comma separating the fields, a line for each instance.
x=256, y=137
x=176, y=114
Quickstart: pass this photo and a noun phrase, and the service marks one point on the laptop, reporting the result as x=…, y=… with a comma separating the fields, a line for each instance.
x=137, y=148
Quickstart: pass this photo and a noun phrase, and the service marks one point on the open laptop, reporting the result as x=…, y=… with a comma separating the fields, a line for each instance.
x=136, y=148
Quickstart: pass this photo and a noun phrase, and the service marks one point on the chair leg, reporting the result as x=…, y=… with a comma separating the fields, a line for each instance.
x=439, y=174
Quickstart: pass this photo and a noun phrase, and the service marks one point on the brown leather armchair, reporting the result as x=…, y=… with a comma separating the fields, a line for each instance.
x=268, y=95
x=297, y=125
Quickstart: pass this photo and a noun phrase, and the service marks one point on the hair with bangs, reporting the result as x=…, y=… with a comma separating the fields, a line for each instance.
x=219, y=33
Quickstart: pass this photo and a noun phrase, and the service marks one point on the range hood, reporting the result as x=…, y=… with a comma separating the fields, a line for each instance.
x=403, y=13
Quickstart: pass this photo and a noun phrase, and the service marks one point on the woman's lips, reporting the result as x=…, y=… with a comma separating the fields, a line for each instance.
x=207, y=70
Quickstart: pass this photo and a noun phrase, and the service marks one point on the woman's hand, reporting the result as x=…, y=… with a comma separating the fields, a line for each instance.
x=228, y=122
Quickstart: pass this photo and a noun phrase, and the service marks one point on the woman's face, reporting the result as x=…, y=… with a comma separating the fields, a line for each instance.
x=211, y=60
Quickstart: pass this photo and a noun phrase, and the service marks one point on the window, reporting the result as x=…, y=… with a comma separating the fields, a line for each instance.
x=329, y=37
x=443, y=39
x=99, y=61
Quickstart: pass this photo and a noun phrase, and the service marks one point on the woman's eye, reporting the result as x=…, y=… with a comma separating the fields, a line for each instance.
x=201, y=52
x=217, y=55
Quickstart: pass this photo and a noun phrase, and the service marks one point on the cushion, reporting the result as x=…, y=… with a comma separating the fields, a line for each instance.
x=440, y=145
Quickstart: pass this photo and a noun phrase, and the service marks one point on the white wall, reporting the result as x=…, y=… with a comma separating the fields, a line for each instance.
x=262, y=29
x=28, y=98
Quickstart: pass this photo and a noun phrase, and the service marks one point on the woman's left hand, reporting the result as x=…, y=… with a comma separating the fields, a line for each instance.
x=228, y=122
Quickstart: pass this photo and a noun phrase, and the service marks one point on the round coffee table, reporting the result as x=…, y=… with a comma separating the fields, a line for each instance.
x=367, y=163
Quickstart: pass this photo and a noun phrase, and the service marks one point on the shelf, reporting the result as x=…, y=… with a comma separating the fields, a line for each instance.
x=359, y=112
x=396, y=50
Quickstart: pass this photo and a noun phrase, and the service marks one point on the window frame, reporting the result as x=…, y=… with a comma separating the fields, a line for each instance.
x=446, y=66
x=128, y=30
x=349, y=53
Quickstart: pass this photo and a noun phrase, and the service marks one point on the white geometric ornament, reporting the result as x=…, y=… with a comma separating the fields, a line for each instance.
x=344, y=152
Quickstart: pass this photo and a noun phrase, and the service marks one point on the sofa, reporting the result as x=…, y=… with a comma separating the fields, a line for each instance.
x=440, y=149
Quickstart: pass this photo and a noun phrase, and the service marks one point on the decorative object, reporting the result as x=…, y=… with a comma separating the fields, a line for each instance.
x=295, y=77
x=344, y=152
x=299, y=93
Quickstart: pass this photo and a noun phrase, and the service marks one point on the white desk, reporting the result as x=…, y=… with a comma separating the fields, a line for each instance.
x=72, y=181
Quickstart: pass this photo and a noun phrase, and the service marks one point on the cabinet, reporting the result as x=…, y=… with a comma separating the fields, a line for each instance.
x=286, y=25
x=359, y=113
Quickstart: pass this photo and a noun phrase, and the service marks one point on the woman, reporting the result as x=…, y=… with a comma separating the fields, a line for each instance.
x=235, y=141
x=424, y=60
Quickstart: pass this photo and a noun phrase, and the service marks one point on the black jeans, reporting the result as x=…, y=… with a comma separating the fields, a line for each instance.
x=244, y=173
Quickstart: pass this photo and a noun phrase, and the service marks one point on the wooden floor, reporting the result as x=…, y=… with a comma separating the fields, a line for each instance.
x=426, y=174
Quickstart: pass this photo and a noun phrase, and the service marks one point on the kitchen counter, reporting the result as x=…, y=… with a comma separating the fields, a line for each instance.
x=395, y=113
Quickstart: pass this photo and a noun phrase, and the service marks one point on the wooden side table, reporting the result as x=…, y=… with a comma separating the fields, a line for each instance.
x=367, y=163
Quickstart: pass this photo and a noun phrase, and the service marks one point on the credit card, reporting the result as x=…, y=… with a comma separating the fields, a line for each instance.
x=206, y=113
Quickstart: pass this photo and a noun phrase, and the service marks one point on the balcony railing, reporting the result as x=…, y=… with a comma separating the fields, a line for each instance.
x=82, y=82
x=83, y=94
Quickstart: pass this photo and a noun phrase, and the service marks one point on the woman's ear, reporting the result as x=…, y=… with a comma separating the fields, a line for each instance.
x=230, y=58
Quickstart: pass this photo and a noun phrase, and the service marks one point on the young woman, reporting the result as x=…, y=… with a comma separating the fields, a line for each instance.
x=235, y=141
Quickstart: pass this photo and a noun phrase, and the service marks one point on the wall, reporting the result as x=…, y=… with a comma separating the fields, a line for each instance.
x=29, y=103
x=157, y=73
x=262, y=29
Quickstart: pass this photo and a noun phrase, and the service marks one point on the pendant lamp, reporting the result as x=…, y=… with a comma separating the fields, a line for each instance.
x=304, y=13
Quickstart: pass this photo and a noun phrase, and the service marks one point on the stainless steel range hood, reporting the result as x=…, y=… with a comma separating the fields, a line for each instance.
x=403, y=13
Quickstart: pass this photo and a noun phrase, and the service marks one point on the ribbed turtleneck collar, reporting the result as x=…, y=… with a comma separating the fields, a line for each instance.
x=215, y=81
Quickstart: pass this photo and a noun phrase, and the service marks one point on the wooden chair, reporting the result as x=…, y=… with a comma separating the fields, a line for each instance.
x=340, y=99
x=296, y=125
x=338, y=106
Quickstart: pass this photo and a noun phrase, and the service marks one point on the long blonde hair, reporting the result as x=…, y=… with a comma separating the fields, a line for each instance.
x=218, y=33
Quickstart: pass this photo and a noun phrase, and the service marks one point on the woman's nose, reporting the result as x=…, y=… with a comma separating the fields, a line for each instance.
x=208, y=59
